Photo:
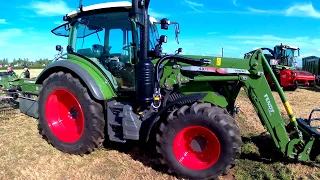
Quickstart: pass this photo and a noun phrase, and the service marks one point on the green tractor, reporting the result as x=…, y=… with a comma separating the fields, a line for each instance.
x=114, y=83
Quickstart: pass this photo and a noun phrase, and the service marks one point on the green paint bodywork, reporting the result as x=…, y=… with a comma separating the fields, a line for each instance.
x=27, y=85
x=103, y=83
x=5, y=81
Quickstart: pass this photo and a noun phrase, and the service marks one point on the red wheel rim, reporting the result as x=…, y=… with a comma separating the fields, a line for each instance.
x=64, y=115
x=196, y=147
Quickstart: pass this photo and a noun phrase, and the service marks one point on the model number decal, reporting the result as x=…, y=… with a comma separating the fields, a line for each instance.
x=270, y=107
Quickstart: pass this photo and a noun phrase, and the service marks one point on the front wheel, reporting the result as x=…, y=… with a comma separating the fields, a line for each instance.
x=199, y=141
x=68, y=118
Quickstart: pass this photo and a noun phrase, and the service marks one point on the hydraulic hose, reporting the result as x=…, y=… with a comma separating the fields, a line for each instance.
x=181, y=59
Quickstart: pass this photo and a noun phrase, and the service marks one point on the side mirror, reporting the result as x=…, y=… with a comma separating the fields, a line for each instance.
x=177, y=32
x=163, y=39
x=298, y=52
x=59, y=48
x=179, y=50
x=165, y=23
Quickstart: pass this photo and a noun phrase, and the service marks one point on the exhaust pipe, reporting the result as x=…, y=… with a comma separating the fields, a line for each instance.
x=144, y=68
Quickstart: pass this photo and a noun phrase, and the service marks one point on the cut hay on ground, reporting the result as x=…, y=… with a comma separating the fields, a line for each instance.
x=25, y=155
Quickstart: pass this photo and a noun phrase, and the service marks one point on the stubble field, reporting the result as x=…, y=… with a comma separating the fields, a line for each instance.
x=25, y=155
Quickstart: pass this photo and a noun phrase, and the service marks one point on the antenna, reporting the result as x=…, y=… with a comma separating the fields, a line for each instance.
x=80, y=5
x=222, y=52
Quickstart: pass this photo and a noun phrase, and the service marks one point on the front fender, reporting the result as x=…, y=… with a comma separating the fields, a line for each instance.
x=97, y=85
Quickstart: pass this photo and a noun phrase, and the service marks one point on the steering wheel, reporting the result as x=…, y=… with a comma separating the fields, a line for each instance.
x=127, y=48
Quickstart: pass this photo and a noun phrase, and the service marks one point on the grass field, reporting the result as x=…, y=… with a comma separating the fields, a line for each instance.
x=24, y=155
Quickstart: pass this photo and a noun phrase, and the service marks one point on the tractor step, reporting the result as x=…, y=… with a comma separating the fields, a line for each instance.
x=123, y=123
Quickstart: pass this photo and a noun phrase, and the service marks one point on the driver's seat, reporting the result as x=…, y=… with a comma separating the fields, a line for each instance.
x=124, y=58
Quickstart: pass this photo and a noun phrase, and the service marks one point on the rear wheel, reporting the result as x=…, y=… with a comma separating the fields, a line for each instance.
x=68, y=118
x=199, y=141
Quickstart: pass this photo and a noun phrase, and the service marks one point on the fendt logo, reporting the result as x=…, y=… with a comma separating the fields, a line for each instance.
x=270, y=107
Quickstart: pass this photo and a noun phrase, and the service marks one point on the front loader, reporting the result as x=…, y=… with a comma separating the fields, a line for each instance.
x=122, y=88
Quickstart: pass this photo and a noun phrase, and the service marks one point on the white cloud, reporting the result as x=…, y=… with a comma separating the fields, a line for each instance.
x=264, y=11
x=235, y=2
x=306, y=55
x=303, y=10
x=308, y=46
x=156, y=14
x=194, y=5
x=253, y=39
x=51, y=8
x=6, y=33
x=296, y=10
x=3, y=21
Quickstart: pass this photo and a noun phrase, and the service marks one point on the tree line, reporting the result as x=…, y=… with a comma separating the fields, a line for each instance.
x=25, y=61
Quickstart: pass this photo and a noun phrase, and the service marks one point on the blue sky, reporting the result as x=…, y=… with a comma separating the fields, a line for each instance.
x=206, y=26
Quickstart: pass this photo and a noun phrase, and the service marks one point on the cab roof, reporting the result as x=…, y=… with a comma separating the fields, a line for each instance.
x=119, y=4
x=108, y=5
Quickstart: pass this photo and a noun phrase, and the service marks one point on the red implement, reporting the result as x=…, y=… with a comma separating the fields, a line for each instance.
x=304, y=77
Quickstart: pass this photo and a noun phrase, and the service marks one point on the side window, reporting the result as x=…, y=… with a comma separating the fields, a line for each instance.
x=116, y=41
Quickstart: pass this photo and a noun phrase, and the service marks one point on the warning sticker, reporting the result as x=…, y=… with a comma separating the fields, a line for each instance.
x=218, y=63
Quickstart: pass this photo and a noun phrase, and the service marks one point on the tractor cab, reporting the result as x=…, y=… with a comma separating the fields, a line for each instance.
x=107, y=35
x=285, y=55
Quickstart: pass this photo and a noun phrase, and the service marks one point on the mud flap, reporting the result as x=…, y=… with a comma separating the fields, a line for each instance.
x=29, y=107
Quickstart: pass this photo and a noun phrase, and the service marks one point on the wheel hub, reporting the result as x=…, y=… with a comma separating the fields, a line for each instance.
x=73, y=113
x=64, y=115
x=196, y=147
x=198, y=144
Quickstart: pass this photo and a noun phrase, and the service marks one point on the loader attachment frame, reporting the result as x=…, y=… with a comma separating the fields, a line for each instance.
x=296, y=138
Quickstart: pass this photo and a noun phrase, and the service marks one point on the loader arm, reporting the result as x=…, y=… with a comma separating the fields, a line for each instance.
x=294, y=141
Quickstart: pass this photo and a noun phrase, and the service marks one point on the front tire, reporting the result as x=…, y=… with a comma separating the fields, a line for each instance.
x=199, y=141
x=68, y=118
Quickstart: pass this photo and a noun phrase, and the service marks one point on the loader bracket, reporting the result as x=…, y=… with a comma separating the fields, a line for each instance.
x=313, y=119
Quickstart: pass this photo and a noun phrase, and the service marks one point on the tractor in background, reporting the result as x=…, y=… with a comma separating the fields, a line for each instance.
x=282, y=60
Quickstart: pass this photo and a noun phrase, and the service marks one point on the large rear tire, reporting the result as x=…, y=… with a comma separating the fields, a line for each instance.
x=200, y=141
x=69, y=118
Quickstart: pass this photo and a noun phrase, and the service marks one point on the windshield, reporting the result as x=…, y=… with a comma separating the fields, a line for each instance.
x=285, y=56
x=109, y=34
x=153, y=36
x=289, y=56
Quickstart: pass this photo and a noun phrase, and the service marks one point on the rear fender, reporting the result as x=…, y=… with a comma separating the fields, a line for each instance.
x=97, y=85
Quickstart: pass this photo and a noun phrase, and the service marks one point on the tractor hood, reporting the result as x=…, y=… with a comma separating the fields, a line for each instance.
x=222, y=62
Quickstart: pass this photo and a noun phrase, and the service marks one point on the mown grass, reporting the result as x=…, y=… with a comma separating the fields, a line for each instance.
x=25, y=155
